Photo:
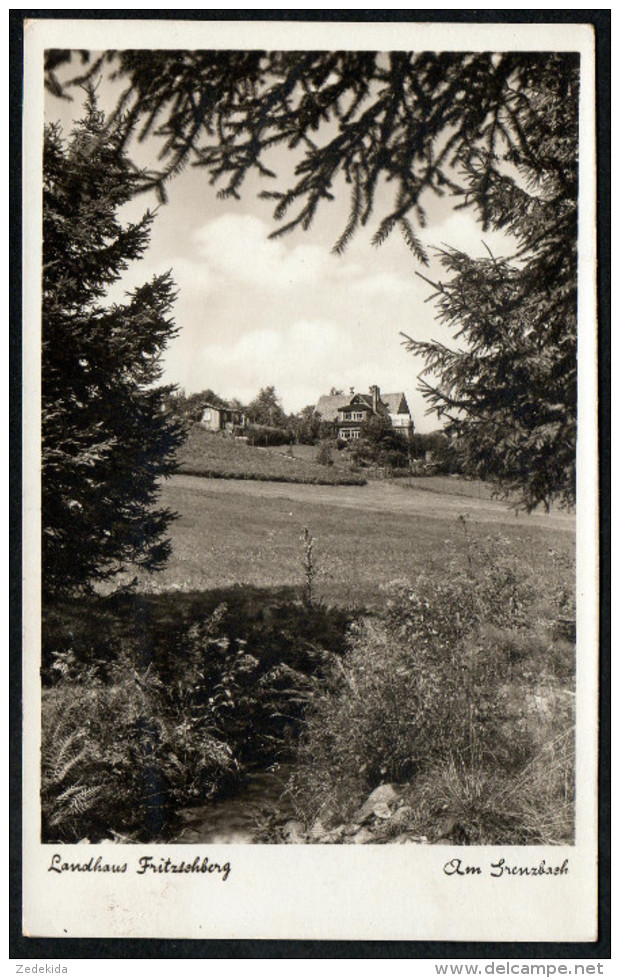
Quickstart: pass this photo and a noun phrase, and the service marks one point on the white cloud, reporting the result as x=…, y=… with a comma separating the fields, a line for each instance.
x=460, y=230
x=298, y=360
x=237, y=248
x=193, y=277
x=237, y=281
x=387, y=284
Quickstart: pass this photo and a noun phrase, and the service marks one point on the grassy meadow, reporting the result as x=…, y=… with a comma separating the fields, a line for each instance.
x=234, y=533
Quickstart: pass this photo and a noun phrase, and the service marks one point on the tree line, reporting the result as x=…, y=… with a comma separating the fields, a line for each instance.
x=264, y=412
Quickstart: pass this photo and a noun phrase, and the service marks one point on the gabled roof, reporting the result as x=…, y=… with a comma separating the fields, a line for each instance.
x=358, y=399
x=366, y=399
x=396, y=403
x=329, y=404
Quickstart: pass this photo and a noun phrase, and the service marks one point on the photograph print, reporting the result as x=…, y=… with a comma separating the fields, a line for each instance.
x=310, y=460
x=308, y=447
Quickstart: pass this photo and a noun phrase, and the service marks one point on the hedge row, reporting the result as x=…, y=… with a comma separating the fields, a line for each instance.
x=336, y=480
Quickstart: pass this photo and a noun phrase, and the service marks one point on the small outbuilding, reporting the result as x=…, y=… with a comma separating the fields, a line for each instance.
x=218, y=417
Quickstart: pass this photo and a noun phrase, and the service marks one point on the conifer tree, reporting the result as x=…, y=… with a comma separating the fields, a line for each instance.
x=508, y=385
x=416, y=122
x=106, y=438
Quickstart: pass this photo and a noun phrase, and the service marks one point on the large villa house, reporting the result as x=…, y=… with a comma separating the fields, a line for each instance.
x=349, y=413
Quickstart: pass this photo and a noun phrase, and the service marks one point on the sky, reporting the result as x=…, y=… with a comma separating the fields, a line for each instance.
x=254, y=312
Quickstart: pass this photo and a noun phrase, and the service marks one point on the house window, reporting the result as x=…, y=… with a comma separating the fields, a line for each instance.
x=348, y=433
x=353, y=416
x=206, y=415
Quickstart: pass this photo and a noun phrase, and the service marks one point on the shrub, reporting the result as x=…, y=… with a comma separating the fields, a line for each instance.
x=261, y=434
x=313, y=480
x=457, y=686
x=324, y=454
x=228, y=692
x=118, y=759
x=390, y=713
x=309, y=568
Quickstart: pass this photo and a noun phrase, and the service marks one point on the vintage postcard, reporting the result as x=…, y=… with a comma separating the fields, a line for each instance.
x=310, y=469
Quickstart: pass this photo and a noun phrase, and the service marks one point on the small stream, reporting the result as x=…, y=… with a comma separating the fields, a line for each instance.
x=242, y=817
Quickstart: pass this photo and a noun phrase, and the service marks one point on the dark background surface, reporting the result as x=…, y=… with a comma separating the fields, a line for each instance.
x=54, y=949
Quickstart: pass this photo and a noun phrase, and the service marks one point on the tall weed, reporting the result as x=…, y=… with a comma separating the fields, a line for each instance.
x=459, y=685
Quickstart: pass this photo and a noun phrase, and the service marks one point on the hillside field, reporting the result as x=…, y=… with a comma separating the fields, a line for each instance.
x=215, y=456
x=233, y=532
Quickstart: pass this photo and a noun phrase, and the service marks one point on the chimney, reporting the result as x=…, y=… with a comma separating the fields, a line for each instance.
x=376, y=395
